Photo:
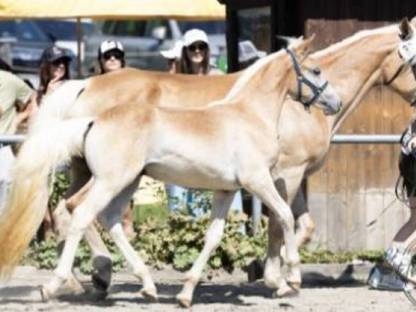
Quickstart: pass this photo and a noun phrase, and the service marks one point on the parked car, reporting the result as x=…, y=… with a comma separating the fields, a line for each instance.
x=64, y=32
x=27, y=43
x=143, y=40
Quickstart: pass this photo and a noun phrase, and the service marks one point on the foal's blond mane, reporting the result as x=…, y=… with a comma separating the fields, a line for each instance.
x=250, y=72
x=348, y=42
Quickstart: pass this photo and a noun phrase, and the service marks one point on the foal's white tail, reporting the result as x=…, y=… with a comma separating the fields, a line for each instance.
x=58, y=105
x=27, y=201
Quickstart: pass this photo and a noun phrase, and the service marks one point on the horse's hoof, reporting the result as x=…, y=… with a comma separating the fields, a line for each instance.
x=45, y=294
x=294, y=285
x=101, y=276
x=271, y=283
x=184, y=301
x=287, y=291
x=74, y=286
x=149, y=294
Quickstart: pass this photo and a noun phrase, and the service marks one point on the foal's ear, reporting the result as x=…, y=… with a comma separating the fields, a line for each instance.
x=406, y=29
x=303, y=49
x=413, y=21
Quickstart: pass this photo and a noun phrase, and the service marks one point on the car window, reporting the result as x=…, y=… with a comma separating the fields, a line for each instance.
x=64, y=30
x=157, y=23
x=134, y=28
x=210, y=27
x=22, y=31
x=124, y=28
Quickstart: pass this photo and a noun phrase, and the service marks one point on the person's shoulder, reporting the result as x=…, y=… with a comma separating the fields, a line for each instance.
x=9, y=77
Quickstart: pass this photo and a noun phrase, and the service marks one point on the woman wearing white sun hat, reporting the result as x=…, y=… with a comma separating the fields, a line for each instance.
x=195, y=60
x=173, y=57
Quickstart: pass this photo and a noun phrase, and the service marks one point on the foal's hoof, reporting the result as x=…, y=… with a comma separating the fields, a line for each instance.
x=287, y=291
x=149, y=294
x=184, y=301
x=294, y=285
x=101, y=276
x=74, y=286
x=45, y=294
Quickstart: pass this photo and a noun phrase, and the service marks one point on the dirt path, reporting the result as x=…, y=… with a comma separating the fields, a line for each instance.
x=224, y=293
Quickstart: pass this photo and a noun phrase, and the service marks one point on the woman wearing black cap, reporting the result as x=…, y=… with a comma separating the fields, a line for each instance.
x=54, y=69
x=111, y=56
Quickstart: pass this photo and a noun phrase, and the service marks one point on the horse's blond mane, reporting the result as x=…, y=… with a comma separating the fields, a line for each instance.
x=249, y=73
x=356, y=37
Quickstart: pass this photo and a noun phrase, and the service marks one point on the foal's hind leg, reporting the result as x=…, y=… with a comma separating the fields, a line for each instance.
x=80, y=184
x=111, y=219
x=263, y=187
x=220, y=207
x=101, y=193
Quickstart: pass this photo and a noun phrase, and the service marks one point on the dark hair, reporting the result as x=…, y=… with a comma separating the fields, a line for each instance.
x=45, y=77
x=186, y=63
x=5, y=66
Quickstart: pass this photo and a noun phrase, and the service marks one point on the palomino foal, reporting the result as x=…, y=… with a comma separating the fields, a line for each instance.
x=368, y=58
x=223, y=147
x=233, y=144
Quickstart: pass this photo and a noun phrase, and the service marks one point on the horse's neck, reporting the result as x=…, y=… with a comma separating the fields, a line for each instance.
x=354, y=69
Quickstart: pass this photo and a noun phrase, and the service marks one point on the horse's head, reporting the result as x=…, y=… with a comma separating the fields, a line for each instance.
x=407, y=46
x=395, y=70
x=311, y=87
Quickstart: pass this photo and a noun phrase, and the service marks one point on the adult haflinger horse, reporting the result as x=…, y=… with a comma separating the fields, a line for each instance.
x=227, y=145
x=354, y=66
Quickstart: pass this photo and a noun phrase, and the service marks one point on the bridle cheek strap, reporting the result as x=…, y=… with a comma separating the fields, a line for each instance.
x=302, y=80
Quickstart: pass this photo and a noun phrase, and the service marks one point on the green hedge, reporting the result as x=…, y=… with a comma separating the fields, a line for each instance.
x=178, y=241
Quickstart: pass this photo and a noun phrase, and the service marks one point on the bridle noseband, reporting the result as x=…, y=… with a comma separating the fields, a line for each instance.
x=302, y=80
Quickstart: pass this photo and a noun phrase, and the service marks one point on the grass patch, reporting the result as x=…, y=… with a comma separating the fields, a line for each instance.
x=157, y=211
x=326, y=256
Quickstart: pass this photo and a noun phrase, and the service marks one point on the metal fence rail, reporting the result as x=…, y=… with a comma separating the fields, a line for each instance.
x=337, y=139
x=256, y=204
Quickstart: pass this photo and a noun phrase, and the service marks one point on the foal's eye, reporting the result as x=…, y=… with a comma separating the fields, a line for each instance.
x=316, y=71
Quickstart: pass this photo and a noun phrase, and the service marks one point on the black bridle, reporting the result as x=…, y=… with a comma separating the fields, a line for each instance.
x=302, y=80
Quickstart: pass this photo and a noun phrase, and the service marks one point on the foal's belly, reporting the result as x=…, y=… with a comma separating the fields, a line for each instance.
x=187, y=174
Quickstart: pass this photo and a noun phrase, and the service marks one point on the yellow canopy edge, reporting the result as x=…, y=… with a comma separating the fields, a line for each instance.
x=110, y=9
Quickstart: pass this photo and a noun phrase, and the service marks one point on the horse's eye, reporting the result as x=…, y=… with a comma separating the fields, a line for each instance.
x=316, y=71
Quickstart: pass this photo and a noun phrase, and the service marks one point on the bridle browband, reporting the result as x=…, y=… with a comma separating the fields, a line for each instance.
x=302, y=80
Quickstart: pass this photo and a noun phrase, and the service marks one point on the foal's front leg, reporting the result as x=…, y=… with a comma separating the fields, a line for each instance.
x=220, y=206
x=263, y=187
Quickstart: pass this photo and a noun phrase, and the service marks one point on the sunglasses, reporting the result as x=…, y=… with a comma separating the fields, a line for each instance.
x=198, y=46
x=116, y=54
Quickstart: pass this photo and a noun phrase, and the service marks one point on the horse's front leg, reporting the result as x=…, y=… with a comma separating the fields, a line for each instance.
x=282, y=220
x=221, y=204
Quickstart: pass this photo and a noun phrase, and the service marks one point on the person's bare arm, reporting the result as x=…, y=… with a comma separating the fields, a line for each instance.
x=29, y=110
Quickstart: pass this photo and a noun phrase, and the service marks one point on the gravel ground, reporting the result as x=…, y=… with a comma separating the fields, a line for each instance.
x=327, y=288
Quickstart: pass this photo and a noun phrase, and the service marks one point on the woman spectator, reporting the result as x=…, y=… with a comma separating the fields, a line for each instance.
x=110, y=56
x=195, y=59
x=173, y=57
x=53, y=71
x=17, y=103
